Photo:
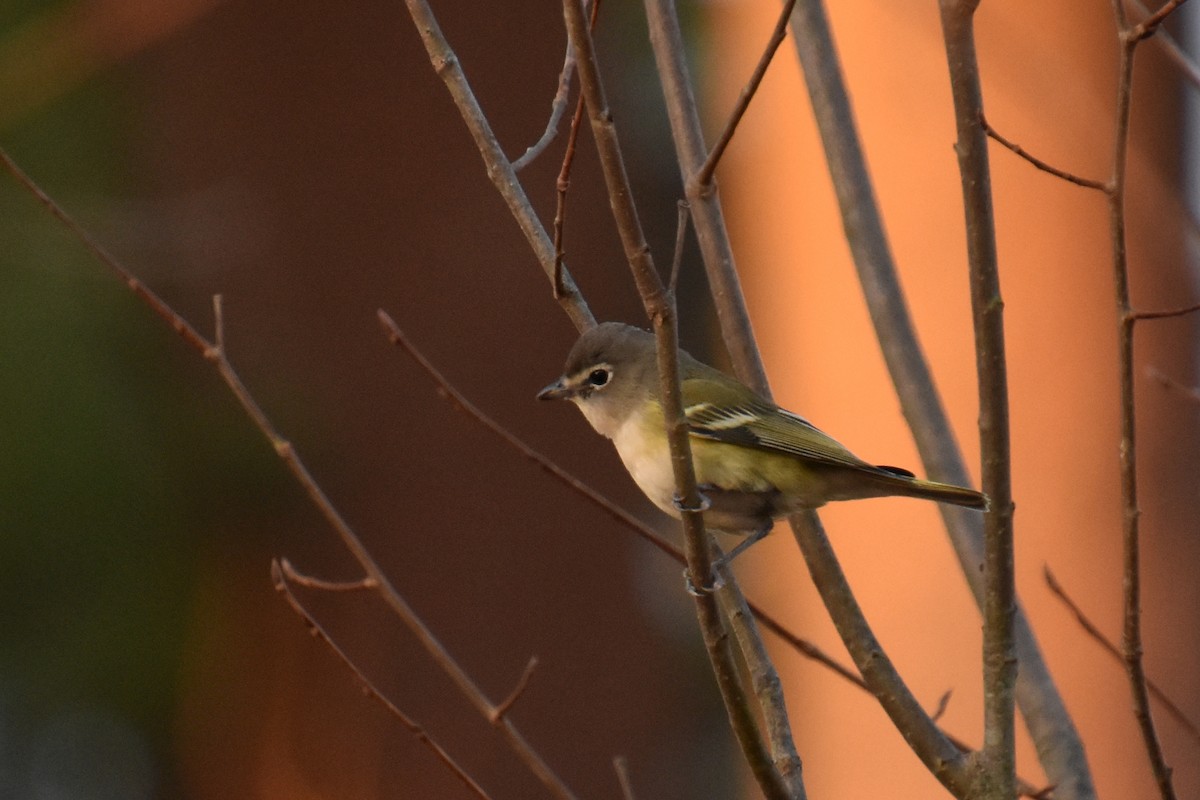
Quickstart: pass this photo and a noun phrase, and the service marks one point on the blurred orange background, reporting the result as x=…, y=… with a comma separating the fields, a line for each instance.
x=1050, y=86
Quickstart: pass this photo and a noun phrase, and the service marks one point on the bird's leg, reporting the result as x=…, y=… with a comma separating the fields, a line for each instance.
x=722, y=562
x=745, y=544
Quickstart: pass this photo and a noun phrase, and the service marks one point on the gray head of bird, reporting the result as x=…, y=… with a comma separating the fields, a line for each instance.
x=611, y=372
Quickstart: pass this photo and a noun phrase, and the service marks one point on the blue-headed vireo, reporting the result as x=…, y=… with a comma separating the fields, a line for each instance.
x=754, y=461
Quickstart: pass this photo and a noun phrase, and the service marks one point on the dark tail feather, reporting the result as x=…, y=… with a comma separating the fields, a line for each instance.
x=903, y=482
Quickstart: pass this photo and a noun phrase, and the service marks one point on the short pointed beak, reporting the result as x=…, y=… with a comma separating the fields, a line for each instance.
x=555, y=391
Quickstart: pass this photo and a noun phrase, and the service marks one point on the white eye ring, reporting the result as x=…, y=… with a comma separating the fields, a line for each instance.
x=598, y=378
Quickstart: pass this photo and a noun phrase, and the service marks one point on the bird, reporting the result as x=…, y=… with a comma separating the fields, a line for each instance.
x=754, y=461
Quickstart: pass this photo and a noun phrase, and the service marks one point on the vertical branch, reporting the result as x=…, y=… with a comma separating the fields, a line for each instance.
x=997, y=763
x=661, y=311
x=1060, y=748
x=1131, y=639
x=763, y=678
x=880, y=675
x=564, y=174
x=703, y=199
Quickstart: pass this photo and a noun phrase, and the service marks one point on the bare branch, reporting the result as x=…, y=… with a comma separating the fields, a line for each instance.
x=763, y=678
x=704, y=176
x=1059, y=745
x=282, y=575
x=562, y=185
x=811, y=34
x=1190, y=392
x=156, y=303
x=309, y=582
x=564, y=176
x=216, y=355
x=1173, y=50
x=1131, y=640
x=680, y=239
x=661, y=312
x=499, y=169
x=996, y=776
x=558, y=107
x=1070, y=177
x=942, y=704
x=1174, y=312
x=522, y=684
x=1149, y=26
x=1094, y=632
x=707, y=218
x=622, y=769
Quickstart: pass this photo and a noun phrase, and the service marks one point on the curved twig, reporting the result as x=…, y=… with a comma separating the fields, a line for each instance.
x=558, y=107
x=499, y=168
x=283, y=575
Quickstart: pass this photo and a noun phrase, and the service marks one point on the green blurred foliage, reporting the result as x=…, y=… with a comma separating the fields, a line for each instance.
x=120, y=456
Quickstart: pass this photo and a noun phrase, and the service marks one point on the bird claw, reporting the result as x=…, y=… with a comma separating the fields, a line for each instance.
x=705, y=504
x=703, y=591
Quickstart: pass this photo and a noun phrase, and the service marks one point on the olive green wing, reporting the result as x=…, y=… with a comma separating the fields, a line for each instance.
x=717, y=410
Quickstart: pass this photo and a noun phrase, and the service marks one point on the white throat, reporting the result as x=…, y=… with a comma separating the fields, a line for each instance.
x=599, y=416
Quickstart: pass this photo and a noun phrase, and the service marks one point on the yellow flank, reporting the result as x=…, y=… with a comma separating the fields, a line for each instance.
x=731, y=466
x=642, y=444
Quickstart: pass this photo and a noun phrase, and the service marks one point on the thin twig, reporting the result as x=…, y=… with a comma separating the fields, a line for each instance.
x=282, y=575
x=1174, y=312
x=1147, y=27
x=1131, y=639
x=522, y=684
x=680, y=240
x=562, y=185
x=621, y=766
x=309, y=582
x=716, y=252
x=1107, y=645
x=942, y=704
x=1070, y=177
x=564, y=177
x=499, y=168
x=660, y=310
x=1190, y=392
x=214, y=353
x=764, y=680
x=156, y=303
x=704, y=175
x=558, y=107
x=996, y=768
x=1173, y=50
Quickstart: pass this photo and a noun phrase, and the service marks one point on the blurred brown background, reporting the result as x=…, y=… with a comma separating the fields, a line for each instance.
x=304, y=161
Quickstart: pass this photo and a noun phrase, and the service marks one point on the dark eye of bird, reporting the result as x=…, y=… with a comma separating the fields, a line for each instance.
x=598, y=377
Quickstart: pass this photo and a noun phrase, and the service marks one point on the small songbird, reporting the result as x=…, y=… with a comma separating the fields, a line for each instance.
x=754, y=461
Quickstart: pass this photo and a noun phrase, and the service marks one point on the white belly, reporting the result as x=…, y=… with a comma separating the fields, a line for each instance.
x=649, y=464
